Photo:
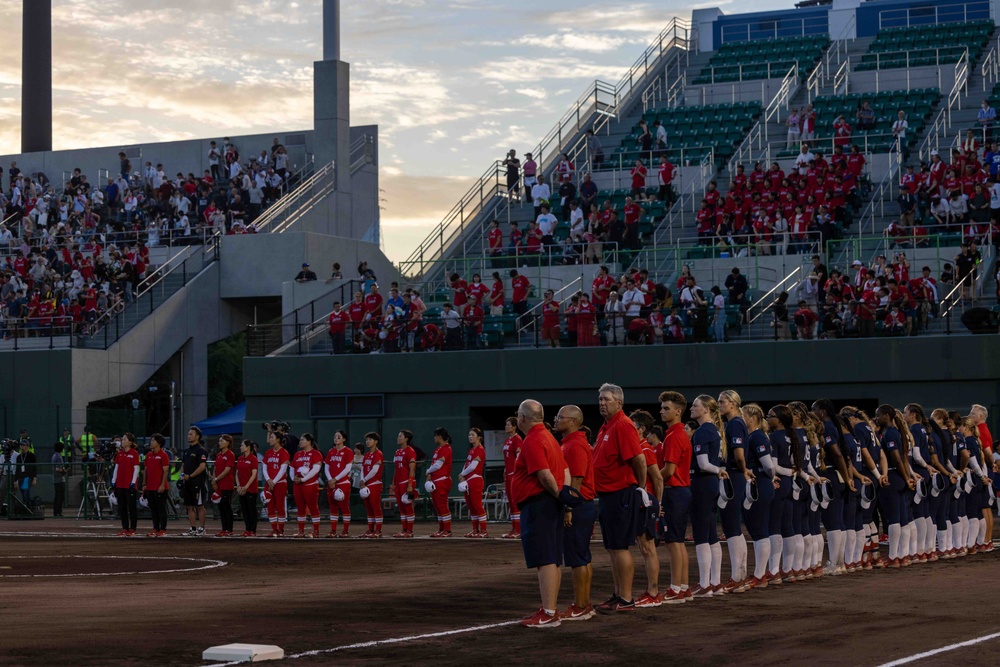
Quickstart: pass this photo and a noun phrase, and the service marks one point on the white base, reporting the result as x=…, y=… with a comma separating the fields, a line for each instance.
x=243, y=653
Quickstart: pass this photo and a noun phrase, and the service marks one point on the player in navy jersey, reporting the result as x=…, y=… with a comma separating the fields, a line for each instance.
x=942, y=484
x=761, y=478
x=939, y=419
x=853, y=518
x=707, y=468
x=977, y=477
x=800, y=560
x=875, y=469
x=922, y=541
x=786, y=449
x=892, y=498
x=736, y=434
x=840, y=482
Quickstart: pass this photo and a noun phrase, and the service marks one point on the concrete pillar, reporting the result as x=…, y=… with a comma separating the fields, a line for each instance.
x=331, y=29
x=36, y=77
x=332, y=136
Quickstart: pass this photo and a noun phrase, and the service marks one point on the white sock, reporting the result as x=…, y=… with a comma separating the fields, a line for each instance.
x=908, y=541
x=963, y=532
x=798, y=553
x=734, y=558
x=761, y=556
x=704, y=555
x=970, y=539
x=817, y=550
x=741, y=541
x=832, y=539
x=777, y=547
x=716, y=564
x=982, y=531
x=859, y=545
x=847, y=553
x=921, y=537
x=894, y=534
x=942, y=540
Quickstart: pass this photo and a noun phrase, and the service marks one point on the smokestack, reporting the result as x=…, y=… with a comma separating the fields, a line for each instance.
x=331, y=29
x=36, y=76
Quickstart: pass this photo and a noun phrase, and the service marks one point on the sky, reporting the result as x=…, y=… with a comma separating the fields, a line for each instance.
x=452, y=84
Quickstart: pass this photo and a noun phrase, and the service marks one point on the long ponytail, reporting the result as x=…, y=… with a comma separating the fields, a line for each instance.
x=784, y=415
x=896, y=419
x=712, y=406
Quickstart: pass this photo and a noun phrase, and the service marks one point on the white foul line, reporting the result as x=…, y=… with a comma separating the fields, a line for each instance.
x=379, y=642
x=212, y=564
x=943, y=649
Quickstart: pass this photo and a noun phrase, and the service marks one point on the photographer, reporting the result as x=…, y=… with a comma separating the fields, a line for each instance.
x=26, y=472
x=124, y=479
x=194, y=463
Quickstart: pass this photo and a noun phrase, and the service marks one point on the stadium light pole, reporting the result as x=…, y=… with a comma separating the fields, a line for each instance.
x=36, y=76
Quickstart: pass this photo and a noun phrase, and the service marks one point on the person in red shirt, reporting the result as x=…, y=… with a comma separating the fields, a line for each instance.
x=638, y=180
x=978, y=414
x=470, y=482
x=371, y=484
x=124, y=479
x=579, y=521
x=533, y=244
x=339, y=319
x=460, y=288
x=472, y=317
x=550, y=319
x=804, y=319
x=495, y=239
x=373, y=304
x=438, y=482
x=619, y=469
x=519, y=297
x=675, y=469
x=356, y=311
x=155, y=483
x=404, y=481
x=276, y=480
x=338, y=465
x=496, y=297
x=511, y=448
x=478, y=289
x=306, y=466
x=647, y=537
x=540, y=474
x=666, y=177
x=246, y=486
x=586, y=323
x=601, y=288
x=223, y=482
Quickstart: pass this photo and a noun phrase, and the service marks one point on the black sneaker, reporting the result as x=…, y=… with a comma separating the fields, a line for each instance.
x=610, y=606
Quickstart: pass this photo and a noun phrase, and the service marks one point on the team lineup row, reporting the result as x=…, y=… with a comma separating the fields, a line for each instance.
x=781, y=477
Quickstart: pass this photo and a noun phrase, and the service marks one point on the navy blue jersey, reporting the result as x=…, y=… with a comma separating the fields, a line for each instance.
x=973, y=446
x=936, y=446
x=892, y=441
x=920, y=443
x=866, y=440
x=853, y=452
x=706, y=440
x=737, y=435
x=952, y=448
x=830, y=438
x=781, y=448
x=804, y=443
x=958, y=447
x=758, y=447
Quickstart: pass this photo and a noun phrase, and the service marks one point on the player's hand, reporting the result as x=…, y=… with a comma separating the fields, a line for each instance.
x=750, y=477
x=776, y=483
x=568, y=519
x=409, y=488
x=911, y=484
x=987, y=480
x=883, y=480
x=723, y=474
x=34, y=480
x=954, y=478
x=851, y=485
x=865, y=481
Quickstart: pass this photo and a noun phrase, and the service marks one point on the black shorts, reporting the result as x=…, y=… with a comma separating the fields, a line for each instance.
x=676, y=505
x=542, y=531
x=651, y=518
x=621, y=513
x=193, y=493
x=576, y=538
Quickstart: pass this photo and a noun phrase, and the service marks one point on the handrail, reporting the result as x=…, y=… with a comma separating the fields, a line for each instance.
x=758, y=133
x=764, y=302
x=304, y=192
x=530, y=316
x=990, y=68
x=652, y=94
x=821, y=75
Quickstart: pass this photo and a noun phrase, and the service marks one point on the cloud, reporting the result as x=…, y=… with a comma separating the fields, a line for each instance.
x=518, y=69
x=534, y=93
x=575, y=41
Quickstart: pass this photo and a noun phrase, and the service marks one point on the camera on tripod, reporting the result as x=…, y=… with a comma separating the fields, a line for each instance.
x=8, y=446
x=275, y=425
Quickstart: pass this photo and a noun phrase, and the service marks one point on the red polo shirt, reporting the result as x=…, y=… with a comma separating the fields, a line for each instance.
x=986, y=437
x=677, y=450
x=539, y=451
x=617, y=444
x=580, y=460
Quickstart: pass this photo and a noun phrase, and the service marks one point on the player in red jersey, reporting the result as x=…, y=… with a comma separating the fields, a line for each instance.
x=647, y=536
x=275, y=477
x=154, y=489
x=511, y=448
x=246, y=486
x=339, y=462
x=305, y=474
x=223, y=482
x=438, y=482
x=404, y=481
x=371, y=484
x=471, y=483
x=124, y=479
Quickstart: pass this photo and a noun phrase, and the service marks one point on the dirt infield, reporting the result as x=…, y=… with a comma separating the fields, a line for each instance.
x=304, y=595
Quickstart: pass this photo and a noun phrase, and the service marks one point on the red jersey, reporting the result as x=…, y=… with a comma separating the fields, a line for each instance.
x=520, y=285
x=478, y=290
x=677, y=450
x=476, y=453
x=356, y=311
x=580, y=461
x=617, y=443
x=246, y=466
x=511, y=448
x=126, y=464
x=460, y=287
x=154, y=464
x=985, y=436
x=338, y=321
x=274, y=461
x=638, y=177
x=402, y=460
x=600, y=289
x=539, y=451
x=302, y=466
x=442, y=474
x=496, y=294
x=373, y=304
x=632, y=213
x=337, y=461
x=550, y=314
x=666, y=173
x=224, y=460
x=372, y=459
x=495, y=238
x=651, y=460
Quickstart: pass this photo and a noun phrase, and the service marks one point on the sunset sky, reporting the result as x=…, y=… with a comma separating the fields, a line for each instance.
x=452, y=84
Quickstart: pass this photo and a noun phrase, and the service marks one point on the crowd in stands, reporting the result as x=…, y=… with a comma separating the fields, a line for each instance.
x=71, y=252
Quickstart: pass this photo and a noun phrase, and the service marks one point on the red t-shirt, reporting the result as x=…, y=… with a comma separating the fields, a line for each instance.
x=677, y=450
x=496, y=294
x=373, y=303
x=651, y=460
x=442, y=474
x=372, y=459
x=461, y=288
x=154, y=464
x=245, y=468
x=478, y=290
x=511, y=448
x=476, y=453
x=638, y=177
x=224, y=460
x=617, y=443
x=550, y=314
x=520, y=285
x=986, y=437
x=404, y=456
x=580, y=461
x=338, y=322
x=337, y=460
x=127, y=461
x=600, y=289
x=496, y=239
x=539, y=451
x=356, y=311
x=303, y=463
x=273, y=460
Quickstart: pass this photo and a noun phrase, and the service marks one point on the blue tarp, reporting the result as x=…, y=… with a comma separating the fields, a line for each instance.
x=230, y=421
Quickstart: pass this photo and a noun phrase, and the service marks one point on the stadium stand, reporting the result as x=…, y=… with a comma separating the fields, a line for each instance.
x=763, y=59
x=938, y=44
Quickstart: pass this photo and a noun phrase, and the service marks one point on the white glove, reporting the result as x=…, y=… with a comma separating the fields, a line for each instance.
x=364, y=492
x=406, y=499
x=646, y=500
x=463, y=486
x=338, y=495
x=429, y=486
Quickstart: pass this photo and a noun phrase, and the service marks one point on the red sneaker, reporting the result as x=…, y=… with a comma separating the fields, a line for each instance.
x=472, y=534
x=131, y=533
x=299, y=534
x=541, y=620
x=647, y=600
x=161, y=533
x=731, y=586
x=151, y=534
x=437, y=534
x=122, y=533
x=344, y=535
x=675, y=597
x=617, y=605
x=516, y=536
x=483, y=535
x=698, y=592
x=332, y=533
x=399, y=535
x=574, y=613
x=221, y=533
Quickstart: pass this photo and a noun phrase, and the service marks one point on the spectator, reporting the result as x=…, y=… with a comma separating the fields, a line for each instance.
x=866, y=116
x=907, y=207
x=737, y=285
x=513, y=168
x=595, y=150
x=665, y=177
x=719, y=314
x=519, y=295
x=494, y=238
x=614, y=312
x=794, y=124
x=588, y=194
x=808, y=124
x=547, y=225
x=26, y=471
x=661, y=135
x=335, y=273
x=550, y=319
x=841, y=132
x=567, y=196
x=305, y=275
x=638, y=174
x=941, y=210
x=986, y=117
x=540, y=194
x=530, y=169
x=805, y=320
x=452, y=322
x=781, y=319
x=58, y=479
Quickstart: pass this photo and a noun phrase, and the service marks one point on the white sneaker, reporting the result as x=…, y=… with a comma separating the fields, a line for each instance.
x=200, y=532
x=190, y=532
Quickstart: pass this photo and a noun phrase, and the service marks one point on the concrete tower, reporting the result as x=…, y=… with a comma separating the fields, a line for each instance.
x=36, y=76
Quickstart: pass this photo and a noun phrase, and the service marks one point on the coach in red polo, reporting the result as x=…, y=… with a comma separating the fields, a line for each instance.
x=540, y=473
x=620, y=478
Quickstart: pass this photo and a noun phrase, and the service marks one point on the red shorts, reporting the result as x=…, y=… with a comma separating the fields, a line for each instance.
x=550, y=333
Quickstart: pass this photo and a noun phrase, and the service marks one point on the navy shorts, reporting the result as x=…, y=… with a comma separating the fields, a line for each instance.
x=619, y=516
x=650, y=518
x=542, y=531
x=676, y=506
x=732, y=512
x=576, y=538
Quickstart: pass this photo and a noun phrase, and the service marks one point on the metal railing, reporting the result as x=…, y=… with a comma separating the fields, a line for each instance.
x=990, y=67
x=290, y=208
x=832, y=61
x=759, y=132
x=942, y=122
x=774, y=70
x=534, y=314
x=786, y=27
x=765, y=302
x=914, y=16
x=841, y=253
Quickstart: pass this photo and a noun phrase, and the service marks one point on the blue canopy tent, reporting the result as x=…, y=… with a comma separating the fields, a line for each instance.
x=230, y=421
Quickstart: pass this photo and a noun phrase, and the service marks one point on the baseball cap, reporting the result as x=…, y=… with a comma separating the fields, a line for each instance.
x=857, y=262
x=304, y=265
